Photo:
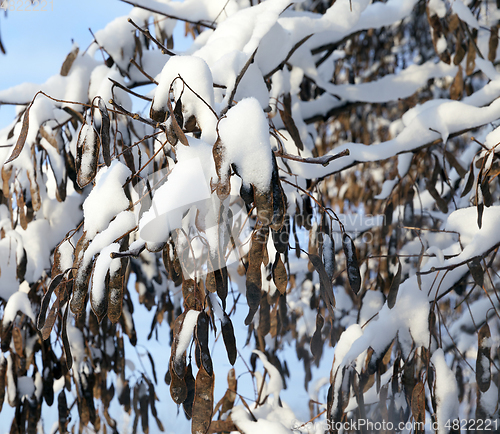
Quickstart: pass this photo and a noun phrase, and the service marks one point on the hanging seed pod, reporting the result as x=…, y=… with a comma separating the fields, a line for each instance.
x=116, y=292
x=67, y=64
x=124, y=397
x=3, y=377
x=82, y=275
x=280, y=277
x=247, y=193
x=189, y=294
x=288, y=122
x=393, y=291
x=459, y=377
x=144, y=410
x=229, y=339
x=483, y=369
x=329, y=255
x=278, y=198
x=325, y=283
x=316, y=340
x=104, y=130
x=178, y=363
x=223, y=185
x=254, y=275
x=229, y=398
x=87, y=155
x=418, y=403
x=54, y=283
x=307, y=212
x=202, y=341
x=264, y=318
x=62, y=407
x=190, y=384
x=203, y=402
x=12, y=393
x=408, y=213
x=281, y=237
x=264, y=207
x=99, y=301
x=476, y=271
x=353, y=273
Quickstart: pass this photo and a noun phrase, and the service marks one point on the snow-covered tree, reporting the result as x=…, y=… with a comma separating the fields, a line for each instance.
x=319, y=174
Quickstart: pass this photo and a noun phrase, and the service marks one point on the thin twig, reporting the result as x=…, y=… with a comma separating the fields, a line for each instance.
x=131, y=92
x=459, y=264
x=287, y=58
x=135, y=116
x=139, y=67
x=238, y=80
x=323, y=160
x=148, y=35
x=198, y=96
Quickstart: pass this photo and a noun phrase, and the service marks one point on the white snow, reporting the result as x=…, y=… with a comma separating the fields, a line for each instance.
x=186, y=185
x=446, y=392
x=493, y=138
x=98, y=210
x=475, y=241
x=18, y=301
x=249, y=148
x=77, y=345
x=186, y=332
x=275, y=382
x=118, y=34
x=437, y=7
x=124, y=222
x=464, y=13
x=197, y=75
x=102, y=265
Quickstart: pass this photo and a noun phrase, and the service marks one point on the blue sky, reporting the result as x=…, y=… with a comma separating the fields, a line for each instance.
x=37, y=42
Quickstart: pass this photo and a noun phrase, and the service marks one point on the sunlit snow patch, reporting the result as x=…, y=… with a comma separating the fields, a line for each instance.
x=175, y=194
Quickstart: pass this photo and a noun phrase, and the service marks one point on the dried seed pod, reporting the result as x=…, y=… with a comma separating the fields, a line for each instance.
x=178, y=387
x=12, y=393
x=286, y=117
x=229, y=339
x=87, y=155
x=202, y=341
x=329, y=255
x=278, y=198
x=223, y=185
x=190, y=384
x=264, y=318
x=281, y=237
x=116, y=292
x=418, y=403
x=254, y=275
x=67, y=64
x=316, y=340
x=3, y=377
x=476, y=270
x=325, y=283
x=62, y=407
x=483, y=370
x=393, y=291
x=104, y=130
x=264, y=207
x=353, y=273
x=280, y=277
x=203, y=402
x=82, y=275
